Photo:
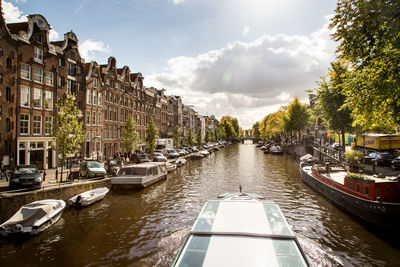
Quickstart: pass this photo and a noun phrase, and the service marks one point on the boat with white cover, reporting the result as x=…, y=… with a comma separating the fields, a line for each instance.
x=34, y=217
x=180, y=162
x=89, y=197
x=241, y=229
x=140, y=175
x=204, y=152
x=171, y=166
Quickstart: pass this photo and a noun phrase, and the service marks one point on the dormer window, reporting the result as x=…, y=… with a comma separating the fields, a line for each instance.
x=72, y=55
x=94, y=82
x=39, y=38
x=38, y=55
x=62, y=62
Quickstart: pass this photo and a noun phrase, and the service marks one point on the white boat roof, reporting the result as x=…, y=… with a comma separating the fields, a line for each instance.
x=144, y=165
x=241, y=231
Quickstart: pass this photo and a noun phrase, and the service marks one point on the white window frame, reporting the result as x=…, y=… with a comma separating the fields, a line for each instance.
x=25, y=121
x=100, y=98
x=38, y=55
x=48, y=125
x=88, y=117
x=100, y=117
x=95, y=83
x=94, y=118
x=26, y=72
x=25, y=91
x=38, y=77
x=94, y=94
x=34, y=125
x=89, y=97
x=48, y=100
x=40, y=98
x=49, y=78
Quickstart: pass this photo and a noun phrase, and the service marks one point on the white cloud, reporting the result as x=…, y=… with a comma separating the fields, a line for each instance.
x=21, y=1
x=54, y=35
x=248, y=79
x=178, y=1
x=12, y=13
x=88, y=49
x=246, y=30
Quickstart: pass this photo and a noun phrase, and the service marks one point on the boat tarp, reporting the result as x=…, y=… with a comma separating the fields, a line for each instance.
x=27, y=216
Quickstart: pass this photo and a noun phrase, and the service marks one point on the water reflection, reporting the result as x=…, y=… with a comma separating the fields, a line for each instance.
x=147, y=227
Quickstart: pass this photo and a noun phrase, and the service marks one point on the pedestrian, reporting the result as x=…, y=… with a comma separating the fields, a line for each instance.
x=44, y=175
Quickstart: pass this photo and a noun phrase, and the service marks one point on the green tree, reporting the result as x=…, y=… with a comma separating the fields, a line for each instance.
x=271, y=127
x=151, y=136
x=368, y=33
x=297, y=117
x=130, y=135
x=331, y=100
x=68, y=128
x=177, y=137
x=198, y=138
x=207, y=136
x=189, y=138
x=256, y=130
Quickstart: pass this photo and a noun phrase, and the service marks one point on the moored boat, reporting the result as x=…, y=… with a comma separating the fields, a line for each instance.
x=276, y=150
x=372, y=199
x=140, y=175
x=204, y=152
x=197, y=156
x=89, y=197
x=170, y=166
x=241, y=229
x=180, y=162
x=33, y=218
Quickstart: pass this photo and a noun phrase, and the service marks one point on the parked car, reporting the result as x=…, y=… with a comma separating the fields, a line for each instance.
x=395, y=163
x=194, y=149
x=181, y=152
x=139, y=158
x=159, y=157
x=378, y=158
x=91, y=169
x=112, y=166
x=25, y=176
x=170, y=153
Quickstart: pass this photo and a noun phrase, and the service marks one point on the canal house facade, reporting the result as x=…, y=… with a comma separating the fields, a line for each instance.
x=35, y=73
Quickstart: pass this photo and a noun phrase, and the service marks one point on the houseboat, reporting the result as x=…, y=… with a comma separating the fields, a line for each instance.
x=370, y=198
x=139, y=175
x=241, y=229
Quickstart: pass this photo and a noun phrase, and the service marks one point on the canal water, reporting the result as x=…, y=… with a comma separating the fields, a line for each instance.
x=147, y=227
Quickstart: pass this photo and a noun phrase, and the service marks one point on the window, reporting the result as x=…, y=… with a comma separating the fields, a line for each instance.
x=48, y=125
x=94, y=98
x=61, y=82
x=8, y=94
x=7, y=125
x=25, y=96
x=61, y=62
x=70, y=86
x=89, y=97
x=25, y=71
x=38, y=55
x=72, y=55
x=358, y=187
x=100, y=119
x=49, y=78
x=80, y=89
x=38, y=75
x=88, y=117
x=94, y=118
x=100, y=98
x=366, y=190
x=37, y=98
x=48, y=101
x=24, y=123
x=37, y=124
x=39, y=38
x=94, y=82
x=8, y=63
x=71, y=69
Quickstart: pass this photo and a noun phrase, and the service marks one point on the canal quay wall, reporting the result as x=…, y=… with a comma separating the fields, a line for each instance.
x=10, y=202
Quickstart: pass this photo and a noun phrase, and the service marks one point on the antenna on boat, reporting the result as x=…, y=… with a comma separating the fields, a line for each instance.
x=240, y=188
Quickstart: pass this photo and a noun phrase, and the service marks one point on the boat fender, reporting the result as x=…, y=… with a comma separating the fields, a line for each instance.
x=18, y=228
x=383, y=209
x=78, y=200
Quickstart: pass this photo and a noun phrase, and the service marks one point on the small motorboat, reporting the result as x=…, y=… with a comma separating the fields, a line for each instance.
x=241, y=229
x=33, y=218
x=197, y=156
x=276, y=150
x=89, y=197
x=171, y=167
x=180, y=162
x=204, y=152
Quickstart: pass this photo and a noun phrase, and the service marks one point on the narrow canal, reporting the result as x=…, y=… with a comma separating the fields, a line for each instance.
x=145, y=228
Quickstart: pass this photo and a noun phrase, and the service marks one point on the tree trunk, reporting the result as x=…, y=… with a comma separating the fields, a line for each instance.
x=62, y=168
x=343, y=141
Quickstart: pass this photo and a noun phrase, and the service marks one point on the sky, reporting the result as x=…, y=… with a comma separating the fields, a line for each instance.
x=244, y=58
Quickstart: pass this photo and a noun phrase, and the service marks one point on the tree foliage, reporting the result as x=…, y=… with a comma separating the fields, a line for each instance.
x=130, y=135
x=271, y=127
x=151, y=136
x=230, y=123
x=207, y=136
x=255, y=130
x=177, y=137
x=368, y=33
x=297, y=117
x=198, y=137
x=189, y=138
x=68, y=128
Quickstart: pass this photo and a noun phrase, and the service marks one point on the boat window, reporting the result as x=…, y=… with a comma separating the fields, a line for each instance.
x=196, y=251
x=155, y=170
x=351, y=186
x=287, y=253
x=139, y=171
x=206, y=219
x=366, y=189
x=125, y=171
x=387, y=189
x=358, y=188
x=276, y=220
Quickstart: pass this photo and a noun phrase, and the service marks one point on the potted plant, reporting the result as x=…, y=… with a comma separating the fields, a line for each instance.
x=353, y=157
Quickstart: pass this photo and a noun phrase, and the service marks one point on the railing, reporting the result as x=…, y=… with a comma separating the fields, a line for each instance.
x=328, y=153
